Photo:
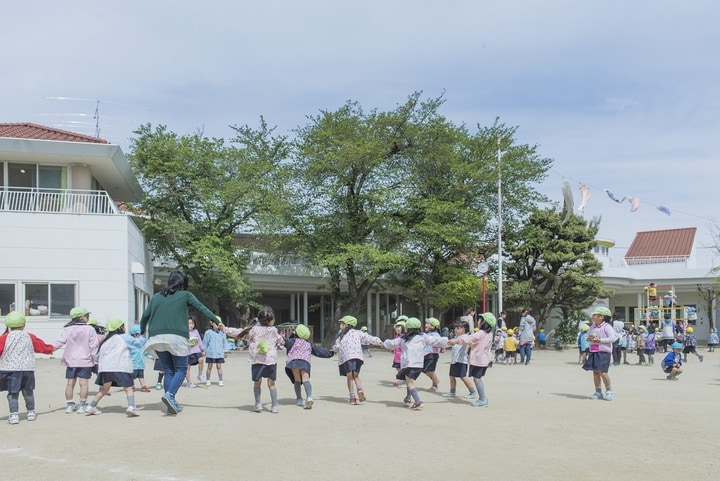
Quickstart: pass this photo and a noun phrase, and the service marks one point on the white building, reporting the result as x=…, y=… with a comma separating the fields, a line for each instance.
x=64, y=239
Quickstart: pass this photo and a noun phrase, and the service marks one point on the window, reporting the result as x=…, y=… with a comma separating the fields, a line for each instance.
x=49, y=299
x=7, y=298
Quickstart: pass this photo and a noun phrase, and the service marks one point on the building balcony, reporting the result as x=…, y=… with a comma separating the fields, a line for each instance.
x=58, y=201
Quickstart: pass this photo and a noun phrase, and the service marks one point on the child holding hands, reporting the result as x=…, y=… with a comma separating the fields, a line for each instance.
x=480, y=353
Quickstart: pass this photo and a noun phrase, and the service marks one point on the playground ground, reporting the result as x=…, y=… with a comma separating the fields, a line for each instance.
x=540, y=425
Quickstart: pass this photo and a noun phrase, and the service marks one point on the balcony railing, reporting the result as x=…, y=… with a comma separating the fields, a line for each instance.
x=18, y=199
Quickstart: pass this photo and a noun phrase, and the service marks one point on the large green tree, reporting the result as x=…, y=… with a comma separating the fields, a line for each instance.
x=200, y=193
x=551, y=266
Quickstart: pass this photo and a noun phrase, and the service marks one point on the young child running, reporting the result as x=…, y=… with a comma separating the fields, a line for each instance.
x=432, y=353
x=348, y=346
x=399, y=331
x=511, y=347
x=264, y=339
x=115, y=366
x=480, y=353
x=459, y=364
x=412, y=344
x=138, y=357
x=197, y=353
x=17, y=365
x=297, y=363
x=81, y=344
x=690, y=344
x=214, y=343
x=672, y=362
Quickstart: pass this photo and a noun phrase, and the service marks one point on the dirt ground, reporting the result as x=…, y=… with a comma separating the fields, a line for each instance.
x=540, y=425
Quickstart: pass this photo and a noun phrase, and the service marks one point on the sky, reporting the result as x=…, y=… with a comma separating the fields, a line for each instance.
x=623, y=96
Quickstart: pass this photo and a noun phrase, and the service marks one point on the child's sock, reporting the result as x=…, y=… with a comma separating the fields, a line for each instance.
x=308, y=389
x=480, y=388
x=93, y=403
x=598, y=390
x=273, y=397
x=219, y=377
x=298, y=387
x=415, y=395
x=131, y=401
x=256, y=392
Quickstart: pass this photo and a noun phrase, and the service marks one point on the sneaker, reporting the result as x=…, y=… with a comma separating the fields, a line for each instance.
x=132, y=412
x=274, y=409
x=609, y=395
x=479, y=404
x=201, y=378
x=31, y=416
x=82, y=409
x=361, y=395
x=190, y=384
x=158, y=386
x=407, y=401
x=258, y=408
x=434, y=387
x=449, y=394
x=221, y=384
x=92, y=411
x=416, y=406
x=398, y=383
x=145, y=389
x=13, y=418
x=208, y=383
x=471, y=395
x=169, y=401
x=670, y=377
x=309, y=403
x=298, y=402
x=71, y=408
x=596, y=395
x=353, y=401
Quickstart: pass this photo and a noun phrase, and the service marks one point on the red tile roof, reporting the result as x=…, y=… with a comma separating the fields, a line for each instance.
x=29, y=130
x=671, y=245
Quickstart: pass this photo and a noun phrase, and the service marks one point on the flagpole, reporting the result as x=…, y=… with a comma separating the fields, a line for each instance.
x=500, y=226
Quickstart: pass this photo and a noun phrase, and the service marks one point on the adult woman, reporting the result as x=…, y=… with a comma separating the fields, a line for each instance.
x=165, y=319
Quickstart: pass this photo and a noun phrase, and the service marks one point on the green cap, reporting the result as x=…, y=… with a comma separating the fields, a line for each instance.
x=603, y=311
x=114, y=324
x=413, y=323
x=489, y=319
x=14, y=320
x=432, y=321
x=302, y=331
x=401, y=318
x=349, y=320
x=78, y=311
x=92, y=322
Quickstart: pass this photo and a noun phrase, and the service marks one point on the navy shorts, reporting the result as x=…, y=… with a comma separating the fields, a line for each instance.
x=259, y=371
x=597, y=361
x=194, y=358
x=78, y=372
x=411, y=372
x=477, y=371
x=430, y=362
x=214, y=360
x=138, y=374
x=119, y=379
x=458, y=369
x=350, y=366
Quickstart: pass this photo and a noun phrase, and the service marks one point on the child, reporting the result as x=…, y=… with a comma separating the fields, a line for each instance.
x=499, y=345
x=366, y=347
x=601, y=337
x=399, y=331
x=348, y=347
x=510, y=346
x=432, y=353
x=640, y=344
x=583, y=345
x=542, y=339
x=264, y=339
x=480, y=356
x=214, y=343
x=672, y=362
x=413, y=344
x=17, y=365
x=81, y=343
x=459, y=363
x=115, y=367
x=650, y=343
x=137, y=356
x=297, y=363
x=690, y=344
x=197, y=353
x=713, y=340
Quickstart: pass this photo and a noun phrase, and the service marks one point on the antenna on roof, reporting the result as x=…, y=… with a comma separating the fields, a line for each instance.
x=97, y=119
